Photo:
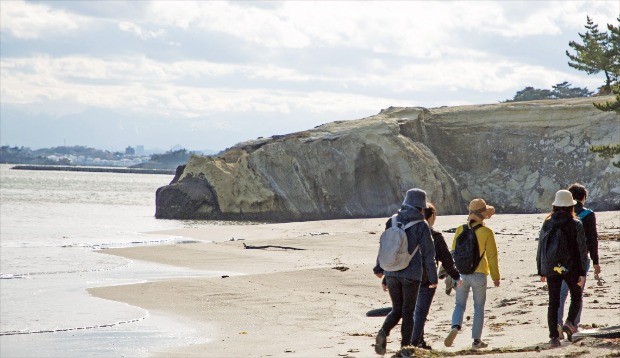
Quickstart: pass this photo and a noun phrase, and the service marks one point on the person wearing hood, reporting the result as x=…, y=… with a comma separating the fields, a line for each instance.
x=403, y=285
x=476, y=282
x=561, y=228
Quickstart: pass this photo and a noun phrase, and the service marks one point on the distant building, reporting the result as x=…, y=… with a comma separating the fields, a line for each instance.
x=130, y=151
x=139, y=149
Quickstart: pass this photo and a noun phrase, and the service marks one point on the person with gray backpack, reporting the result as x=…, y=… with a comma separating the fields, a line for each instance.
x=404, y=247
x=562, y=257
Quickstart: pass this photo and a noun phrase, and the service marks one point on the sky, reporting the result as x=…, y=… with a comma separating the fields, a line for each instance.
x=206, y=75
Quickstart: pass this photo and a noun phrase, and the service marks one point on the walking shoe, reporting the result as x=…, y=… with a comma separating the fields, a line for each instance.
x=555, y=343
x=478, y=344
x=450, y=339
x=569, y=329
x=560, y=331
x=449, y=284
x=423, y=345
x=406, y=353
x=380, y=342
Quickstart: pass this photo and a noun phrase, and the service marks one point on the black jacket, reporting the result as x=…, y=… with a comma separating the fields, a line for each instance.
x=576, y=240
x=589, y=227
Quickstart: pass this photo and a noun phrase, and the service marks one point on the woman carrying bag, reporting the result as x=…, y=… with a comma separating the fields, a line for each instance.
x=561, y=257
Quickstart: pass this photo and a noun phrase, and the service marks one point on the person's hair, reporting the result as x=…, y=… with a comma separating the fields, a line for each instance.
x=430, y=211
x=567, y=209
x=579, y=191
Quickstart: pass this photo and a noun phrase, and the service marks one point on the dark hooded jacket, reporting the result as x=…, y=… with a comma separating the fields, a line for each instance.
x=589, y=227
x=417, y=235
x=576, y=240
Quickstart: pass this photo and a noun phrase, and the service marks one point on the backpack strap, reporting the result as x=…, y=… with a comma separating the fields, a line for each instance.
x=411, y=223
x=474, y=229
x=396, y=223
x=584, y=213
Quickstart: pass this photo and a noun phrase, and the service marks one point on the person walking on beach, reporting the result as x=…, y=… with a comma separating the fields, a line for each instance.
x=426, y=292
x=403, y=284
x=561, y=257
x=588, y=219
x=484, y=261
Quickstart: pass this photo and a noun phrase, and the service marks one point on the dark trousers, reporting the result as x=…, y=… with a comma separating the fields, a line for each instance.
x=555, y=285
x=403, y=293
x=422, y=306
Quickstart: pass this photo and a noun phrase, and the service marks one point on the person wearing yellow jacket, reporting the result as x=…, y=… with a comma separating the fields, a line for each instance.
x=477, y=281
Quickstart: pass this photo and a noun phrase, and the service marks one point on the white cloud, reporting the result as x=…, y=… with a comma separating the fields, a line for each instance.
x=30, y=21
x=139, y=31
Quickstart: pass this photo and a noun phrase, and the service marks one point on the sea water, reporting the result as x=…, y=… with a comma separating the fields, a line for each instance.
x=51, y=225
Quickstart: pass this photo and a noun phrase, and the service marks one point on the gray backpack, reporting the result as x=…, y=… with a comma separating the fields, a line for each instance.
x=393, y=254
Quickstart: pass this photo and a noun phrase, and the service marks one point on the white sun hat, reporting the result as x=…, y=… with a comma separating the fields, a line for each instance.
x=564, y=198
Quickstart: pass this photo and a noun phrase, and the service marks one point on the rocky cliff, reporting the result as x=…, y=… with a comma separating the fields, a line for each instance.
x=514, y=155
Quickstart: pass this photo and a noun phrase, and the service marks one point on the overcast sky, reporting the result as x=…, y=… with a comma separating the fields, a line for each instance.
x=206, y=75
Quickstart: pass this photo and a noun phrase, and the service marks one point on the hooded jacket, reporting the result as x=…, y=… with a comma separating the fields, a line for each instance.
x=589, y=227
x=576, y=240
x=418, y=234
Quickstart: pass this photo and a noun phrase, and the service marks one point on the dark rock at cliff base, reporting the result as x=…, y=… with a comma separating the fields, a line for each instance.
x=190, y=198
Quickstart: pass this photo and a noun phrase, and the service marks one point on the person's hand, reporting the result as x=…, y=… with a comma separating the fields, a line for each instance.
x=380, y=275
x=543, y=279
x=597, y=269
x=434, y=285
x=459, y=283
x=582, y=281
x=385, y=288
x=496, y=283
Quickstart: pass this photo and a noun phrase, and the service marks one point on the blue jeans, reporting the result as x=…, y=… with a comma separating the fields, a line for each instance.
x=422, y=306
x=564, y=294
x=403, y=293
x=477, y=283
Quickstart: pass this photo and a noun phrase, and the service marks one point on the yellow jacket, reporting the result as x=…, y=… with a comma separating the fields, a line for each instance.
x=486, y=243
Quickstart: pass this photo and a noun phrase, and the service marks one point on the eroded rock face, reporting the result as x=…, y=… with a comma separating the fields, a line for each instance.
x=514, y=155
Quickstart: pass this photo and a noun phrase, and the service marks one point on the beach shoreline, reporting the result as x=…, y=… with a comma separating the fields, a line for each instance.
x=302, y=289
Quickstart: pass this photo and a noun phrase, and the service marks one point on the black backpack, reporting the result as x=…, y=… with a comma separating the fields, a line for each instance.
x=466, y=253
x=555, y=258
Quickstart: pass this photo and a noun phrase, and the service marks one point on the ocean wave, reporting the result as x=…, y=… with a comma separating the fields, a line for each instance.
x=10, y=276
x=106, y=325
x=117, y=245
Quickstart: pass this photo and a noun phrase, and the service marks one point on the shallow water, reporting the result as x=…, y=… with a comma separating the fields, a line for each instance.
x=51, y=223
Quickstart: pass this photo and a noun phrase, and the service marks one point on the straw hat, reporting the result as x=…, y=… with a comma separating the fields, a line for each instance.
x=564, y=198
x=479, y=210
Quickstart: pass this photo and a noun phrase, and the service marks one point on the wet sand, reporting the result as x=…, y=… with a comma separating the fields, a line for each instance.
x=303, y=290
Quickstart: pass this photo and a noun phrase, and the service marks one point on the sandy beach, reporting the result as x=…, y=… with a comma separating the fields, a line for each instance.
x=303, y=289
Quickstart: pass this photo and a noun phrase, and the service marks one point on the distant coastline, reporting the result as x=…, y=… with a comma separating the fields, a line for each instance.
x=94, y=169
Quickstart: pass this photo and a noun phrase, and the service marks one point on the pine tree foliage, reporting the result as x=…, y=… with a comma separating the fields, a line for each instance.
x=611, y=106
x=560, y=90
x=609, y=151
x=597, y=52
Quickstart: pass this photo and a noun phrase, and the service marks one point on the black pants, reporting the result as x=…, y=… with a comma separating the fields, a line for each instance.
x=555, y=285
x=404, y=293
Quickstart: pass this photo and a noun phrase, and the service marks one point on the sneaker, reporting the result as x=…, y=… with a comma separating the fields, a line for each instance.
x=478, y=344
x=450, y=339
x=423, y=345
x=555, y=343
x=449, y=284
x=380, y=342
x=560, y=331
x=406, y=353
x=569, y=329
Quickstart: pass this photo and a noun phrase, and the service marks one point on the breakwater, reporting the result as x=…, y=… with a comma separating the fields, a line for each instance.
x=94, y=169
